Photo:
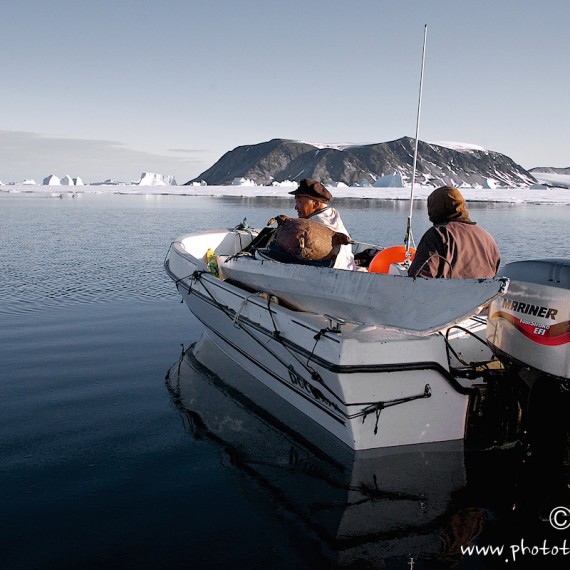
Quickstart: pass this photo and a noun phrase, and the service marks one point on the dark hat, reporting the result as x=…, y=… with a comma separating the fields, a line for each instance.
x=446, y=204
x=312, y=189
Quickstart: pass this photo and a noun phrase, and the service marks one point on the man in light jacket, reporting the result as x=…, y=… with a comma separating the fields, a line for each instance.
x=312, y=202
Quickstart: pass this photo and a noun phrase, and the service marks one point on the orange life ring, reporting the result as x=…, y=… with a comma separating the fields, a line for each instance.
x=383, y=259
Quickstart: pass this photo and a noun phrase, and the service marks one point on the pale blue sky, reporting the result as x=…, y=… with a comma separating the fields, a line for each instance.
x=109, y=88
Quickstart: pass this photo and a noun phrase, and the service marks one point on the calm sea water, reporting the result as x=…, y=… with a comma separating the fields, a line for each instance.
x=105, y=464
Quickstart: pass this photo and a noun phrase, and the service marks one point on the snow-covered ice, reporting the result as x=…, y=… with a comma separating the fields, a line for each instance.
x=509, y=195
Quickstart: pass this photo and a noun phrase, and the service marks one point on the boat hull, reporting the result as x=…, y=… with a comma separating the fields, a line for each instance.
x=365, y=417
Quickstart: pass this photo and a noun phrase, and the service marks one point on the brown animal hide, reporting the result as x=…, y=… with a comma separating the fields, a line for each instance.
x=307, y=240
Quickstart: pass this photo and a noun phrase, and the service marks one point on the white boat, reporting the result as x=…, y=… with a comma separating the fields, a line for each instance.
x=404, y=376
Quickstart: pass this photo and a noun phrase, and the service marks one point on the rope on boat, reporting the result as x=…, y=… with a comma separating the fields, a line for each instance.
x=195, y=276
x=250, y=248
x=278, y=337
x=379, y=406
x=237, y=316
x=296, y=378
x=165, y=263
x=238, y=322
x=314, y=374
x=451, y=350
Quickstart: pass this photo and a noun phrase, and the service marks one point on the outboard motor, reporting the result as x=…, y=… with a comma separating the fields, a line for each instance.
x=528, y=329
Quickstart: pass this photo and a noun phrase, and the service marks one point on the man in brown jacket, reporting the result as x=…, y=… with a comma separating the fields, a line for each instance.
x=455, y=247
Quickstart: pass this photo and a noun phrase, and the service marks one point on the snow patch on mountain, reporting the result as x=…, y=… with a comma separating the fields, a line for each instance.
x=335, y=146
x=459, y=146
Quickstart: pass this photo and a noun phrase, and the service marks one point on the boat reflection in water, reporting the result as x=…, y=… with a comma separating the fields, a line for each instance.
x=353, y=507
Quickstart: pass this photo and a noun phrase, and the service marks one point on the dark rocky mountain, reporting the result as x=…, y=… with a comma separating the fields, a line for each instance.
x=279, y=160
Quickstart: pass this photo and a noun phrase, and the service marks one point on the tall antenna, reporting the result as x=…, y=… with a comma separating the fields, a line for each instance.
x=408, y=238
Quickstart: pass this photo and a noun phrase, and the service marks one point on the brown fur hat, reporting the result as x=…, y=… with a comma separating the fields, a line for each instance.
x=446, y=204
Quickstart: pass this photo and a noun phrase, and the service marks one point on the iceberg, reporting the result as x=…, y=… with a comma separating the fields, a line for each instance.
x=51, y=180
x=243, y=182
x=67, y=181
x=393, y=180
x=153, y=179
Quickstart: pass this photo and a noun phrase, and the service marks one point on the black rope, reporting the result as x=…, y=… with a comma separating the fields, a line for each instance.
x=276, y=335
x=194, y=276
x=449, y=348
x=314, y=374
x=379, y=406
x=165, y=263
x=297, y=379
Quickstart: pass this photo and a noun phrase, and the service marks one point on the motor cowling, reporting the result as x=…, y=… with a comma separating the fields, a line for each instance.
x=530, y=326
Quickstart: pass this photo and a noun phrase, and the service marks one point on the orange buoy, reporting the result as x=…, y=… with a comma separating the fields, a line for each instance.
x=383, y=259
